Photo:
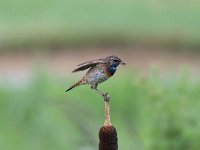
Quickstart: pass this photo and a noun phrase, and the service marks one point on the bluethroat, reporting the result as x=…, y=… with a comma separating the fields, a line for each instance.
x=100, y=70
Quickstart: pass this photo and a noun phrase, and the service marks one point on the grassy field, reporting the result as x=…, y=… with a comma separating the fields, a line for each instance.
x=57, y=23
x=149, y=113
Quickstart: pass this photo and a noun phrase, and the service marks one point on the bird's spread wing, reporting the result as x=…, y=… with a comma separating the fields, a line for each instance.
x=88, y=64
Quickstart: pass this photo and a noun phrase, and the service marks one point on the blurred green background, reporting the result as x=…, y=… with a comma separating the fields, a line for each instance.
x=154, y=98
x=91, y=22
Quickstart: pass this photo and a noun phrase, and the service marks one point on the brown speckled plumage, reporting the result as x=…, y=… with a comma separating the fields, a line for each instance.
x=99, y=71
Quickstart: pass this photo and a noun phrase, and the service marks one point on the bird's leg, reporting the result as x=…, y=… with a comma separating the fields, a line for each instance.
x=98, y=91
x=105, y=95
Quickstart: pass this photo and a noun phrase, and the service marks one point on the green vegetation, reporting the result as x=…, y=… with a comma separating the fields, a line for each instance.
x=149, y=113
x=57, y=23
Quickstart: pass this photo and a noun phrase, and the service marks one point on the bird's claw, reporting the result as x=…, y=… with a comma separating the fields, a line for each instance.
x=106, y=97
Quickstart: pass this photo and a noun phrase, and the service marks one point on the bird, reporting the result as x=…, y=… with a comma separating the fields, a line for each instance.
x=99, y=71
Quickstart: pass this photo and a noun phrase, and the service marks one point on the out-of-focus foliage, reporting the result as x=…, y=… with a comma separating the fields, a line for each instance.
x=149, y=113
x=55, y=23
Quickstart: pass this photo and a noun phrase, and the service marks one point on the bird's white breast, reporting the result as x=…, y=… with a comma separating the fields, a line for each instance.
x=96, y=75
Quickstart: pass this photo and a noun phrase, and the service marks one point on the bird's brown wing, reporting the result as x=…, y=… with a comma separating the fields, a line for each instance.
x=88, y=64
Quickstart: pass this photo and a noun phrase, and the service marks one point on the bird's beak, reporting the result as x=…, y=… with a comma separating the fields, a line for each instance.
x=122, y=63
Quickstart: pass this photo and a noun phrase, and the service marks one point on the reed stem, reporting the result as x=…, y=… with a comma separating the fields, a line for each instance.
x=108, y=134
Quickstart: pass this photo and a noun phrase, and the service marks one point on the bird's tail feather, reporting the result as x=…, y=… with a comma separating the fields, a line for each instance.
x=75, y=85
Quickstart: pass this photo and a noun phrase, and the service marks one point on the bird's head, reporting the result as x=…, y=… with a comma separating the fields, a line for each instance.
x=114, y=61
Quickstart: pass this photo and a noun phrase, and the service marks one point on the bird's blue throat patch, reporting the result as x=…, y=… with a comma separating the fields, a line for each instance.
x=113, y=68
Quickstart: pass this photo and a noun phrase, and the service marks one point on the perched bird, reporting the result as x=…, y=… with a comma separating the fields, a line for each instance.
x=100, y=70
